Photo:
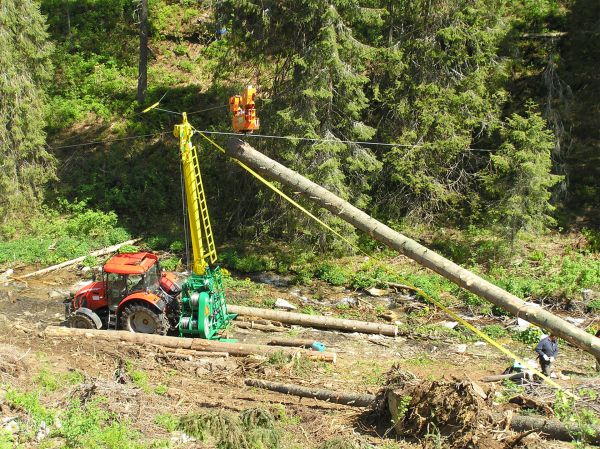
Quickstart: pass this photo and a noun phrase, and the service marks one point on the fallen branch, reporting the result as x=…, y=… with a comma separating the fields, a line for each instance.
x=100, y=252
x=322, y=322
x=355, y=400
x=196, y=344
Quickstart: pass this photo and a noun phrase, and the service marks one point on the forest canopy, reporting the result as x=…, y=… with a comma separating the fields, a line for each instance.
x=445, y=113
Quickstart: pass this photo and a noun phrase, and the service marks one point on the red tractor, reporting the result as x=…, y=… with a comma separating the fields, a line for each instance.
x=134, y=295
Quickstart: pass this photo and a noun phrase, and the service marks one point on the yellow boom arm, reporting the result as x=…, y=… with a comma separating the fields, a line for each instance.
x=203, y=244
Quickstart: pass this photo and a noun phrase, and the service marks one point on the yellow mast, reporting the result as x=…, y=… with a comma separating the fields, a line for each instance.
x=203, y=244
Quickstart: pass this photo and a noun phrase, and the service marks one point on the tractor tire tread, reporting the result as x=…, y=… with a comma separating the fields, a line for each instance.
x=161, y=320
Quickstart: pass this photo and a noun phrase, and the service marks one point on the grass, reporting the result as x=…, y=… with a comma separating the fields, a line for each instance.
x=50, y=381
x=82, y=425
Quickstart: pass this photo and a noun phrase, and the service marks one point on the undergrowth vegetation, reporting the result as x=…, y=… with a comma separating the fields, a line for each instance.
x=56, y=235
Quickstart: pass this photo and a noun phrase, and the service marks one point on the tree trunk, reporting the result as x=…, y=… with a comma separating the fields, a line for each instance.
x=196, y=344
x=100, y=252
x=143, y=63
x=355, y=400
x=424, y=256
x=322, y=322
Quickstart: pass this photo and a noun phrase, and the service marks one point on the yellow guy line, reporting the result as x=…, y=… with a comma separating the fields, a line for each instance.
x=418, y=290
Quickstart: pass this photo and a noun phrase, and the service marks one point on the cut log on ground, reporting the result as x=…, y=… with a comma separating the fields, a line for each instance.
x=322, y=322
x=258, y=326
x=355, y=400
x=100, y=252
x=550, y=428
x=295, y=342
x=500, y=377
x=274, y=171
x=196, y=344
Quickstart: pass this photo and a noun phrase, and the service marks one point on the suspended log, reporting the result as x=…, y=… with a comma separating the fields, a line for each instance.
x=275, y=171
x=196, y=344
x=322, y=322
x=355, y=400
x=100, y=252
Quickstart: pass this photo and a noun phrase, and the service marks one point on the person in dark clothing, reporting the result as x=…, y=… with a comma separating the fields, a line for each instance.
x=547, y=350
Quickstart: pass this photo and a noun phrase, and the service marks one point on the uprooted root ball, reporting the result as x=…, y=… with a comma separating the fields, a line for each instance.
x=452, y=414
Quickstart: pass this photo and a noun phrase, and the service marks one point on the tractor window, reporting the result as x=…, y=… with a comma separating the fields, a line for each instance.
x=152, y=277
x=116, y=286
x=135, y=283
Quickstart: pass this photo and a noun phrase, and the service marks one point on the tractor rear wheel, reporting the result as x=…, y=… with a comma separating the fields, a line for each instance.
x=81, y=322
x=140, y=318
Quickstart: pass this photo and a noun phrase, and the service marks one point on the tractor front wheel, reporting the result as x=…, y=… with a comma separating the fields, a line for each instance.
x=81, y=322
x=140, y=318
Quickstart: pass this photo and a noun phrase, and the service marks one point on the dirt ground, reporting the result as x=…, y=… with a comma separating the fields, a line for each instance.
x=181, y=387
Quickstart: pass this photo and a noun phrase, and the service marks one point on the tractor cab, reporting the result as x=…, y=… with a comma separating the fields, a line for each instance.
x=125, y=274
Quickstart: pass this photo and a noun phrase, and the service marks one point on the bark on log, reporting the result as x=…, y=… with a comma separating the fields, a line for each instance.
x=273, y=170
x=100, y=252
x=196, y=344
x=322, y=322
x=355, y=400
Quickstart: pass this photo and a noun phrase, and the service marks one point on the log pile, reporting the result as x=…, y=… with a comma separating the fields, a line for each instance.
x=321, y=322
x=196, y=344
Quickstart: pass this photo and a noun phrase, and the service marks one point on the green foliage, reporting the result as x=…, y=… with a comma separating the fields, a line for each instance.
x=246, y=263
x=253, y=428
x=29, y=402
x=344, y=443
x=594, y=306
x=402, y=408
x=90, y=426
x=520, y=180
x=581, y=422
x=593, y=239
x=138, y=377
x=167, y=421
x=55, y=237
x=495, y=331
x=170, y=263
x=530, y=336
x=333, y=273
x=26, y=164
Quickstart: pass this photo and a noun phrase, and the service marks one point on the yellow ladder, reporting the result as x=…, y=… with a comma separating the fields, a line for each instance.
x=203, y=243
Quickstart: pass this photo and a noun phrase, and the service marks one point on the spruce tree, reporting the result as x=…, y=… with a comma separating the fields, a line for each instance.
x=519, y=181
x=315, y=89
x=437, y=85
x=25, y=164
